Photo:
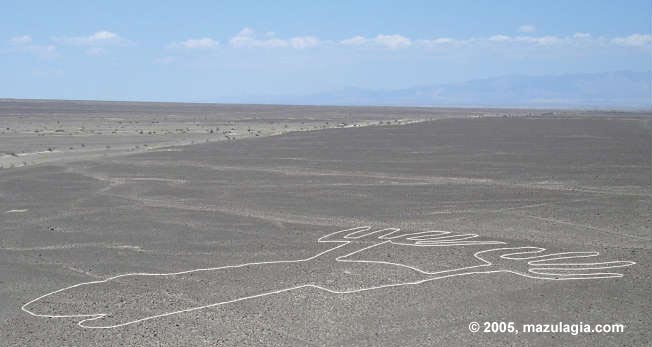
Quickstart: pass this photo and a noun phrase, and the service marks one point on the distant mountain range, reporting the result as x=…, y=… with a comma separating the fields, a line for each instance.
x=620, y=89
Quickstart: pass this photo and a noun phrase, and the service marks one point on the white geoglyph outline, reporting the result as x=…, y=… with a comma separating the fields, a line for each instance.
x=542, y=268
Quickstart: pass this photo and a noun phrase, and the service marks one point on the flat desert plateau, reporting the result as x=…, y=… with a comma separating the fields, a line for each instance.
x=200, y=225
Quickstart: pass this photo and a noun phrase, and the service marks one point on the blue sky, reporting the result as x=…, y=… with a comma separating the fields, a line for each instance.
x=207, y=50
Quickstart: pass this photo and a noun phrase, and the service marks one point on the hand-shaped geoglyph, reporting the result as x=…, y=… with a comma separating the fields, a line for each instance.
x=136, y=297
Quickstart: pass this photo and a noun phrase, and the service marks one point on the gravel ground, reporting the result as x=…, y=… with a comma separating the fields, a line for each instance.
x=560, y=182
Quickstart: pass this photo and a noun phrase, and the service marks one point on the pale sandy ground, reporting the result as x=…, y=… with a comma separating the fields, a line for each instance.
x=28, y=147
x=29, y=139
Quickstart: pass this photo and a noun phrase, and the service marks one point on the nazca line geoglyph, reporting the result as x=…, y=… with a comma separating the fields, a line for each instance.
x=529, y=262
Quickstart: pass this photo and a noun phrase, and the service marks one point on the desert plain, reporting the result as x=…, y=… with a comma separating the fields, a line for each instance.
x=94, y=190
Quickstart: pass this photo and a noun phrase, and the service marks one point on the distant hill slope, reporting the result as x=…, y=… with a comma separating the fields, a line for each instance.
x=621, y=89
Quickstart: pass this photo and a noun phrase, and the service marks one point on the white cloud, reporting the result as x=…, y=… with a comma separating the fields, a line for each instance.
x=199, y=43
x=446, y=42
x=102, y=35
x=304, y=41
x=247, y=38
x=579, y=38
x=21, y=40
x=392, y=41
x=398, y=41
x=25, y=44
x=354, y=41
x=243, y=38
x=388, y=41
x=99, y=38
x=500, y=38
x=443, y=40
x=43, y=51
x=634, y=40
x=537, y=40
x=527, y=28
